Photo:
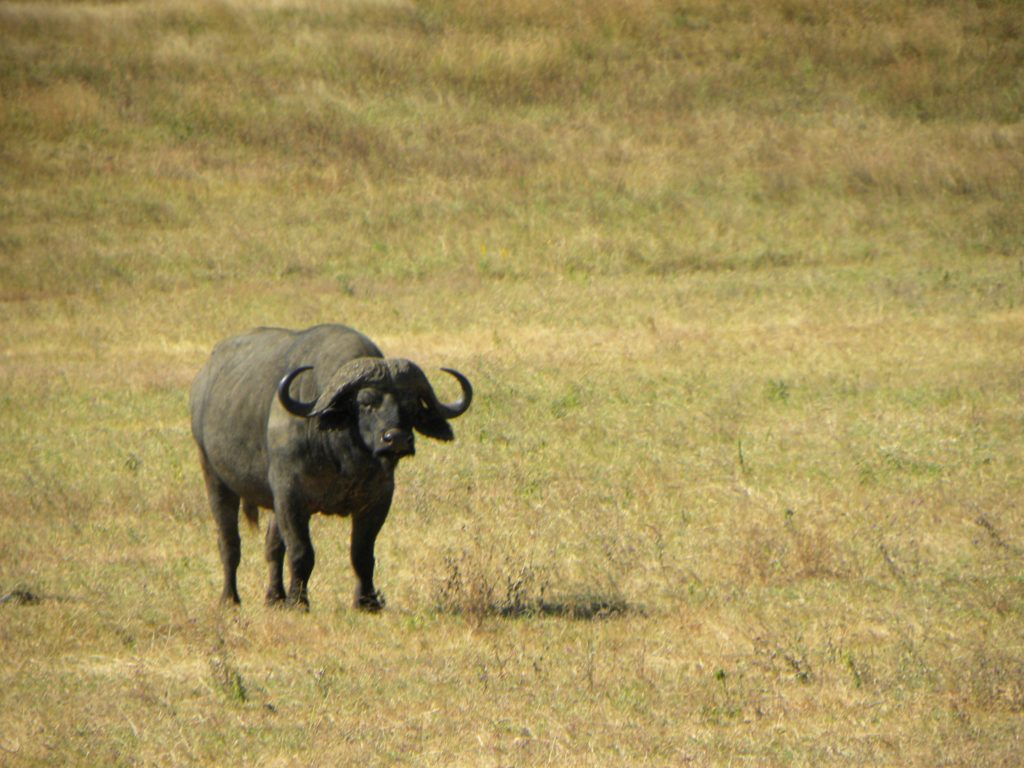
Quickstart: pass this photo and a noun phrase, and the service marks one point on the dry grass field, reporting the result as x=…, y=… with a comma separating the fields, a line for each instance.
x=740, y=287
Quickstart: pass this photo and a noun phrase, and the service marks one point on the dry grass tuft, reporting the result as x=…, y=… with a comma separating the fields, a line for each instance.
x=791, y=554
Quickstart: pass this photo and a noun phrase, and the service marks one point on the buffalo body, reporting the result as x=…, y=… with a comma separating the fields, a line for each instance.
x=309, y=421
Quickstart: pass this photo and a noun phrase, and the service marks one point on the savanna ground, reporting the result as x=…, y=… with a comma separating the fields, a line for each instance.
x=741, y=289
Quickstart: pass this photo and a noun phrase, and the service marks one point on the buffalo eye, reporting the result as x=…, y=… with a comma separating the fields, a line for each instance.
x=369, y=398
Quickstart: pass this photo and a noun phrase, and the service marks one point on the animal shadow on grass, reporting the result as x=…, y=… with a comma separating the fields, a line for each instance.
x=21, y=596
x=584, y=607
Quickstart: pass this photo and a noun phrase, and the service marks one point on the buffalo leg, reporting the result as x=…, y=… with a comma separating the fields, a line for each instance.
x=365, y=528
x=293, y=528
x=224, y=505
x=275, y=562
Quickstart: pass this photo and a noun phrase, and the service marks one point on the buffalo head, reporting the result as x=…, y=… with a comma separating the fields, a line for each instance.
x=384, y=400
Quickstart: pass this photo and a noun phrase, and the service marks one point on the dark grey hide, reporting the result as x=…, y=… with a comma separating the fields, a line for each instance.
x=303, y=422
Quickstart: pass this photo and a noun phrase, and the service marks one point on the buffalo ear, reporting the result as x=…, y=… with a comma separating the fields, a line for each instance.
x=332, y=419
x=336, y=414
x=434, y=426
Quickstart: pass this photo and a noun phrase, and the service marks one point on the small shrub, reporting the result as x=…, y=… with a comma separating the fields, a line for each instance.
x=226, y=677
x=790, y=553
x=481, y=585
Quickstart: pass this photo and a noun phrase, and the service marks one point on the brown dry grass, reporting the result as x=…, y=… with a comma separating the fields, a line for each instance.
x=739, y=287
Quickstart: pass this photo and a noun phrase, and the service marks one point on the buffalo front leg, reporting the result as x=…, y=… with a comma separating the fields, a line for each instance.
x=365, y=528
x=275, y=564
x=224, y=505
x=293, y=528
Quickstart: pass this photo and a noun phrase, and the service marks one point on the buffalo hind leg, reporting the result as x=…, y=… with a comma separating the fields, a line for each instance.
x=365, y=528
x=275, y=563
x=224, y=505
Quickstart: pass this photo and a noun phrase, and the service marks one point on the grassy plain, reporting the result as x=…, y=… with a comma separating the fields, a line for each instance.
x=741, y=289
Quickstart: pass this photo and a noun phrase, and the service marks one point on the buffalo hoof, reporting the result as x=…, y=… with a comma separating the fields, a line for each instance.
x=274, y=599
x=299, y=603
x=369, y=603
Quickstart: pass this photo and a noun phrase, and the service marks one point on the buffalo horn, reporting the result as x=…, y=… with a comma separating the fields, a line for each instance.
x=462, y=405
x=295, y=407
x=448, y=410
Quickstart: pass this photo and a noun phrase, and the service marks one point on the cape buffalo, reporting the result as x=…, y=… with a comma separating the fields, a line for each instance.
x=330, y=447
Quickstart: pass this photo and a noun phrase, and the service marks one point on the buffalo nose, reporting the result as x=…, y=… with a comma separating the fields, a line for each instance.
x=397, y=440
